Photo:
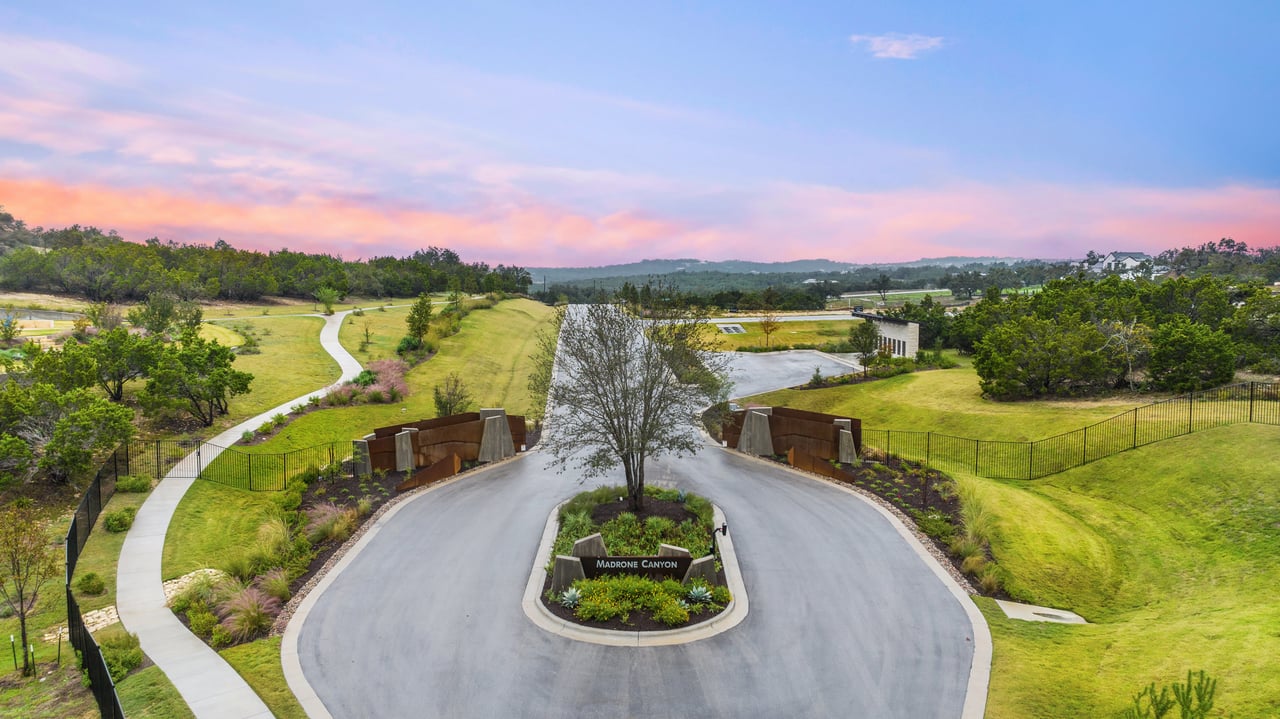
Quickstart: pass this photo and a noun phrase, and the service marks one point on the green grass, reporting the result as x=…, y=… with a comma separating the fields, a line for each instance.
x=259, y=663
x=102, y=553
x=869, y=299
x=291, y=364
x=212, y=524
x=1172, y=552
x=490, y=353
x=148, y=694
x=59, y=695
x=815, y=332
x=950, y=402
x=220, y=334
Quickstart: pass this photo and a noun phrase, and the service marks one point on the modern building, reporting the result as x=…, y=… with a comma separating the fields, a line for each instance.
x=900, y=337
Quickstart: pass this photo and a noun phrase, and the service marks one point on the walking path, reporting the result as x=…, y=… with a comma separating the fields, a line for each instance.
x=211, y=688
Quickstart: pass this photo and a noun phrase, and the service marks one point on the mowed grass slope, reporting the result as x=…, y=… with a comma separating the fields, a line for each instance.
x=1171, y=551
x=491, y=353
x=950, y=402
x=291, y=363
x=813, y=332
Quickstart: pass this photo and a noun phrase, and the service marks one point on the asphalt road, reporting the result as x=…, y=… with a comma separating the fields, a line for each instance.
x=846, y=619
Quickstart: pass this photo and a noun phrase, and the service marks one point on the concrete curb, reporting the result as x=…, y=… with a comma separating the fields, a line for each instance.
x=290, y=660
x=975, y=700
x=731, y=617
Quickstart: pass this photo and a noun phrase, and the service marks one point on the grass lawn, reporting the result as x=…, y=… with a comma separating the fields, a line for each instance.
x=148, y=694
x=950, y=402
x=212, y=524
x=58, y=694
x=869, y=299
x=291, y=364
x=490, y=353
x=814, y=332
x=1172, y=551
x=259, y=663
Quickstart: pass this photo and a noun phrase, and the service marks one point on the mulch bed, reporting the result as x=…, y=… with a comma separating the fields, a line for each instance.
x=345, y=490
x=639, y=621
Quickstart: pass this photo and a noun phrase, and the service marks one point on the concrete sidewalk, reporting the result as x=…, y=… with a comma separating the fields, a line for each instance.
x=209, y=685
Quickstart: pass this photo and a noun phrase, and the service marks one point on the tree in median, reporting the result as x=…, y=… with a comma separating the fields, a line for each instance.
x=195, y=375
x=627, y=389
x=864, y=338
x=27, y=562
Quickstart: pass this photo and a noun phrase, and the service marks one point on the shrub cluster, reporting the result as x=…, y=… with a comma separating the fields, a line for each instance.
x=626, y=534
x=382, y=382
x=668, y=601
x=122, y=653
x=120, y=520
x=133, y=483
x=90, y=583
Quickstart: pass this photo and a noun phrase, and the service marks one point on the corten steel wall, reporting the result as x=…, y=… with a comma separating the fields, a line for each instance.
x=813, y=433
x=438, y=438
x=1234, y=404
x=443, y=469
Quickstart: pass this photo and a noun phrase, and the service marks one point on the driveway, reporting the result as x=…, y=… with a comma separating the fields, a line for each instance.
x=846, y=619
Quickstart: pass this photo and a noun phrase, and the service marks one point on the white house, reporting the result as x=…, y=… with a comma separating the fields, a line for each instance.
x=1125, y=264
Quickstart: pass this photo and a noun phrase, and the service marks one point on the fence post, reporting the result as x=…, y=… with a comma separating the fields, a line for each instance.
x=1251, y=384
x=158, y=460
x=928, y=449
x=1135, y=428
x=975, y=455
x=1191, y=403
x=1084, y=447
x=888, y=441
x=250, y=455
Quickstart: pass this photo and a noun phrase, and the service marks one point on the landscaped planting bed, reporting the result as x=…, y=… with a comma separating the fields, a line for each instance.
x=628, y=602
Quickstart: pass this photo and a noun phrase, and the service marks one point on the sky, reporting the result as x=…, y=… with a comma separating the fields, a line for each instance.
x=569, y=134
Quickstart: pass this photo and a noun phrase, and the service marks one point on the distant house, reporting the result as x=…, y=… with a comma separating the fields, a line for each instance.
x=1125, y=264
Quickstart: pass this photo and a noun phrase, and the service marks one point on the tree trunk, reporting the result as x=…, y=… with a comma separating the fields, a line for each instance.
x=27, y=669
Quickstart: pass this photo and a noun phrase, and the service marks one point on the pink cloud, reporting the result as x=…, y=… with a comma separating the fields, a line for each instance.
x=784, y=222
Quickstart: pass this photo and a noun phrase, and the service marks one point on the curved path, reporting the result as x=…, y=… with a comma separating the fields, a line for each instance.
x=209, y=685
x=423, y=618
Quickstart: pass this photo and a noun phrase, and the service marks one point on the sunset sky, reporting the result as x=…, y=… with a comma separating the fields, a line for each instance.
x=543, y=133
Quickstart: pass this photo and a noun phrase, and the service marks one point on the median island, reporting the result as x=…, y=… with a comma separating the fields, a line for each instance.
x=616, y=567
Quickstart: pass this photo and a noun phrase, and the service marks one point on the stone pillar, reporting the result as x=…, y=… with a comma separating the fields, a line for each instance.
x=566, y=571
x=703, y=568
x=362, y=465
x=405, y=459
x=756, y=437
x=496, y=442
x=592, y=546
x=848, y=451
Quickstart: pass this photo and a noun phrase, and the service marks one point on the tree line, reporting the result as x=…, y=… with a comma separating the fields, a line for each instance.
x=103, y=267
x=1083, y=335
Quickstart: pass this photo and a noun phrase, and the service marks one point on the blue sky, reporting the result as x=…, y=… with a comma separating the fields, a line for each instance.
x=544, y=133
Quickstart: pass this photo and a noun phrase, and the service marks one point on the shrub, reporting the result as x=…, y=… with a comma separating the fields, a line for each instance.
x=248, y=613
x=266, y=427
x=973, y=564
x=964, y=546
x=122, y=653
x=366, y=378
x=279, y=420
x=275, y=583
x=119, y=521
x=327, y=521
x=935, y=524
x=408, y=344
x=133, y=483
x=989, y=579
x=247, y=436
x=241, y=567
x=364, y=507
x=570, y=598
x=202, y=622
x=219, y=637
x=91, y=583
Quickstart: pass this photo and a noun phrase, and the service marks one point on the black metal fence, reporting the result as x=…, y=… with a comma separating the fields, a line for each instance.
x=95, y=498
x=268, y=472
x=1234, y=404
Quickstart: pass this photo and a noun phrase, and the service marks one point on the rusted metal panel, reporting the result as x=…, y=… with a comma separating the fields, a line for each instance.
x=519, y=430
x=446, y=467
